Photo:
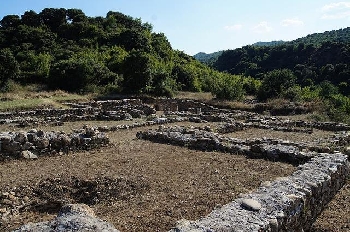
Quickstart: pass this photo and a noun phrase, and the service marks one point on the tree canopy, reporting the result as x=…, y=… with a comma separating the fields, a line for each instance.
x=66, y=49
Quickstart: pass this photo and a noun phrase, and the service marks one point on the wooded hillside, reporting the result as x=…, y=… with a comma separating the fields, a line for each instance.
x=65, y=49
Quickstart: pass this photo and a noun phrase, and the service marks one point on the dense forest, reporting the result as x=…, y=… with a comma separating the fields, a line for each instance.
x=312, y=68
x=65, y=49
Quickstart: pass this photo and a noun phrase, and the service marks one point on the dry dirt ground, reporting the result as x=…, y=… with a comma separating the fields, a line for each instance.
x=141, y=186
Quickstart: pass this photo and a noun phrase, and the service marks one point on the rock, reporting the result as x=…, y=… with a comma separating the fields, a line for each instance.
x=12, y=148
x=72, y=217
x=40, y=133
x=28, y=155
x=33, y=131
x=21, y=137
x=251, y=204
x=32, y=137
x=347, y=151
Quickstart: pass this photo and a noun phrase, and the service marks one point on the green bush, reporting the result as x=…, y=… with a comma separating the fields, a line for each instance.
x=229, y=88
x=275, y=83
x=251, y=85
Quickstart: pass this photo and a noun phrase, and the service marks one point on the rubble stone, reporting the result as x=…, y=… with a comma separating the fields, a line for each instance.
x=72, y=217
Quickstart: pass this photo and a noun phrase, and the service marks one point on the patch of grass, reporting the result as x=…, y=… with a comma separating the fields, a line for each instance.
x=201, y=96
x=235, y=105
x=35, y=96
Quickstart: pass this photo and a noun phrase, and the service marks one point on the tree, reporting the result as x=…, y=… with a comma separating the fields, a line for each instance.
x=76, y=74
x=10, y=21
x=31, y=18
x=134, y=39
x=53, y=18
x=275, y=82
x=76, y=16
x=138, y=70
x=9, y=68
x=229, y=87
x=161, y=46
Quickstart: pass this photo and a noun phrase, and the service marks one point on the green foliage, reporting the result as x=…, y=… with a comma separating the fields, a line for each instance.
x=138, y=70
x=79, y=73
x=65, y=49
x=293, y=93
x=251, y=85
x=9, y=68
x=275, y=83
x=229, y=88
x=338, y=108
x=310, y=93
x=328, y=89
x=313, y=59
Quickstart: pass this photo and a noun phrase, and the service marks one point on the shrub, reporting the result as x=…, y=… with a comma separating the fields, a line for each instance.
x=229, y=88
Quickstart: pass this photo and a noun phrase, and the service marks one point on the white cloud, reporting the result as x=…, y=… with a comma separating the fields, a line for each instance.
x=337, y=5
x=292, y=22
x=235, y=27
x=338, y=10
x=262, y=27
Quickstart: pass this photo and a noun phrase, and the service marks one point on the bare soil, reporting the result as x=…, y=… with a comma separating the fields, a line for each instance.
x=336, y=216
x=141, y=186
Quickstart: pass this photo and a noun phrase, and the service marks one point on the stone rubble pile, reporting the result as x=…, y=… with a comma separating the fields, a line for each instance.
x=36, y=142
x=287, y=204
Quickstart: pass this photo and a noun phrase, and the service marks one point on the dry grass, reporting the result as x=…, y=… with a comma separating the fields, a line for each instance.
x=202, y=96
x=24, y=99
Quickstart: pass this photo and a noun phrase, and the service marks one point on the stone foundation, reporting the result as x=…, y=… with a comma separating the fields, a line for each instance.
x=32, y=143
x=287, y=204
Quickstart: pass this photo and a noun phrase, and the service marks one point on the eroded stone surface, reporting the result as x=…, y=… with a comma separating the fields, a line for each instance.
x=72, y=217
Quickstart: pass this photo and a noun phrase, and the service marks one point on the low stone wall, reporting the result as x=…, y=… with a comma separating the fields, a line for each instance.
x=167, y=104
x=32, y=143
x=272, y=149
x=263, y=122
x=101, y=110
x=287, y=204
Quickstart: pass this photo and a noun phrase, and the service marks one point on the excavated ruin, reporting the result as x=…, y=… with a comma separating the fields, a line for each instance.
x=287, y=204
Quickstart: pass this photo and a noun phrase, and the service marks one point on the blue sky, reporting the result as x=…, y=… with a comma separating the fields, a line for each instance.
x=211, y=25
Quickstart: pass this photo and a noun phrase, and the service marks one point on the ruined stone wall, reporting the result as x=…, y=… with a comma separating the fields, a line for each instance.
x=287, y=204
x=205, y=139
x=37, y=142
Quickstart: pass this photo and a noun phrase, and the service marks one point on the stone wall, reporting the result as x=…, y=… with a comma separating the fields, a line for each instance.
x=37, y=142
x=100, y=110
x=286, y=204
x=205, y=139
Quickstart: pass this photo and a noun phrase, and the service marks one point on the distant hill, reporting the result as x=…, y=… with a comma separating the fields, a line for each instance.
x=338, y=36
x=207, y=58
x=312, y=59
x=272, y=43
